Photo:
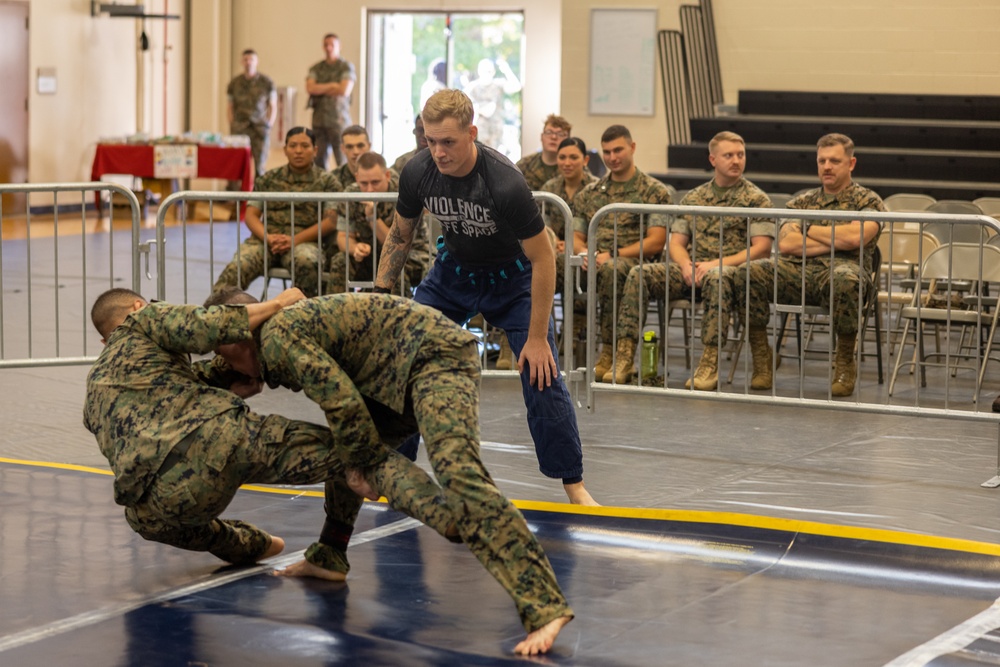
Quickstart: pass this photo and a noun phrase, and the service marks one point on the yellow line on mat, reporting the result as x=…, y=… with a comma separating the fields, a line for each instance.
x=682, y=516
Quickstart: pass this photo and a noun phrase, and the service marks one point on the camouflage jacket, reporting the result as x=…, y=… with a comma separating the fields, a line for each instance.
x=640, y=189
x=535, y=171
x=344, y=175
x=331, y=111
x=361, y=226
x=250, y=98
x=401, y=161
x=732, y=230
x=283, y=179
x=343, y=348
x=557, y=186
x=144, y=395
x=852, y=198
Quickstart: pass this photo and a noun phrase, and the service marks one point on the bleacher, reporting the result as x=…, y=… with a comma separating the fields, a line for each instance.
x=945, y=146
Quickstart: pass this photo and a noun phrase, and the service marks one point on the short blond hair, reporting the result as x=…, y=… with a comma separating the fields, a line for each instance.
x=558, y=122
x=837, y=139
x=448, y=103
x=725, y=135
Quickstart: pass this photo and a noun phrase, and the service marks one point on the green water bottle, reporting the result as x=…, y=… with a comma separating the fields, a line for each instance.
x=650, y=355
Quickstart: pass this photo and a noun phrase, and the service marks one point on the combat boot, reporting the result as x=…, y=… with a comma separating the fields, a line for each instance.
x=603, y=363
x=624, y=366
x=706, y=376
x=760, y=351
x=845, y=366
x=504, y=361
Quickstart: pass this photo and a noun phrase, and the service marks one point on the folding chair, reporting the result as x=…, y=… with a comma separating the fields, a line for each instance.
x=973, y=262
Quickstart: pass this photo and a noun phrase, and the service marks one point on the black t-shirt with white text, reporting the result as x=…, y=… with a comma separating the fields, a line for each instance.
x=483, y=214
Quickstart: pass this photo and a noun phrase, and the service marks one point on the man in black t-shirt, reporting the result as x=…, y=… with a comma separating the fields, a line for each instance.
x=496, y=258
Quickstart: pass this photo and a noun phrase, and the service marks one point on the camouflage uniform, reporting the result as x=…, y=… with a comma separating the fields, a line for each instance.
x=249, y=262
x=180, y=443
x=401, y=161
x=331, y=114
x=556, y=222
x=535, y=171
x=382, y=366
x=611, y=277
x=815, y=273
x=250, y=97
x=711, y=238
x=357, y=223
x=345, y=177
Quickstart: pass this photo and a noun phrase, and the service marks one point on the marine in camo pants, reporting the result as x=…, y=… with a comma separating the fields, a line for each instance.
x=445, y=394
x=652, y=281
x=382, y=368
x=182, y=505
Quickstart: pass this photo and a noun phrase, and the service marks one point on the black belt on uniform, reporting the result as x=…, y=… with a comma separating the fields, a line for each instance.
x=178, y=453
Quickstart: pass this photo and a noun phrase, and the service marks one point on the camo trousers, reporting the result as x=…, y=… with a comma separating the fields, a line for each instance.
x=248, y=264
x=815, y=277
x=611, y=278
x=716, y=293
x=445, y=391
x=182, y=505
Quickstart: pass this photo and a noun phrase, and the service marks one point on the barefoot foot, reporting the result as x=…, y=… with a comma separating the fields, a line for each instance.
x=578, y=495
x=304, y=568
x=541, y=640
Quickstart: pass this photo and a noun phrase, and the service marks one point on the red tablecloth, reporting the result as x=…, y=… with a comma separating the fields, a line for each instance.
x=232, y=164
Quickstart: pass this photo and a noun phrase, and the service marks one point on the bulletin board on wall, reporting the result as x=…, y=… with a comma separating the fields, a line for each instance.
x=622, y=61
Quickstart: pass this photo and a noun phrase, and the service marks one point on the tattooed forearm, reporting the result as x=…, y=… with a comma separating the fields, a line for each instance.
x=395, y=250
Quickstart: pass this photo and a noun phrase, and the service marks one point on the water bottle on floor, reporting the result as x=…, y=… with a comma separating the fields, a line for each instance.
x=650, y=354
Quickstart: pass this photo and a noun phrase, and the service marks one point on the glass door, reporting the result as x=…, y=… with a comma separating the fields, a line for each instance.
x=412, y=55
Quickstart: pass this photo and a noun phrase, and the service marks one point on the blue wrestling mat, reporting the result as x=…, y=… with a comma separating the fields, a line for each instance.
x=649, y=587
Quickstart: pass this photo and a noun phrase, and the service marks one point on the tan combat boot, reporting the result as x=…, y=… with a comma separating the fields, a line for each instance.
x=760, y=351
x=504, y=361
x=845, y=366
x=624, y=367
x=603, y=363
x=706, y=376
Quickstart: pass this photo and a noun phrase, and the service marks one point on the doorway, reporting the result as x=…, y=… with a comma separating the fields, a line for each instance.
x=413, y=54
x=14, y=102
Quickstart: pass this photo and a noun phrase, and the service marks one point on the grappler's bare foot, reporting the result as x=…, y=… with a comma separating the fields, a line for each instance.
x=304, y=568
x=277, y=546
x=542, y=639
x=578, y=495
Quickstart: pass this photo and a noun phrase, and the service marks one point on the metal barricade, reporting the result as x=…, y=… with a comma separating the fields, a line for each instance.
x=47, y=279
x=197, y=244
x=905, y=406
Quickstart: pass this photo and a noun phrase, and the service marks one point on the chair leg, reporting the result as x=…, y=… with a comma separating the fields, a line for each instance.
x=899, y=357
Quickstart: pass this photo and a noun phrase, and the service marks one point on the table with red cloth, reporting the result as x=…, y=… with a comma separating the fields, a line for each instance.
x=229, y=163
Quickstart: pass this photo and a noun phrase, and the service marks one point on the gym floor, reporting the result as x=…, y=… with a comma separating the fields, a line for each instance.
x=731, y=533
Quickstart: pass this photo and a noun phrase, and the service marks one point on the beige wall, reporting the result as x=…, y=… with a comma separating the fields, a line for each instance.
x=904, y=46
x=289, y=46
x=96, y=65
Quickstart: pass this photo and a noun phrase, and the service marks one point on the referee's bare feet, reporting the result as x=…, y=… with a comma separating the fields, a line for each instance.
x=304, y=568
x=578, y=495
x=542, y=639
